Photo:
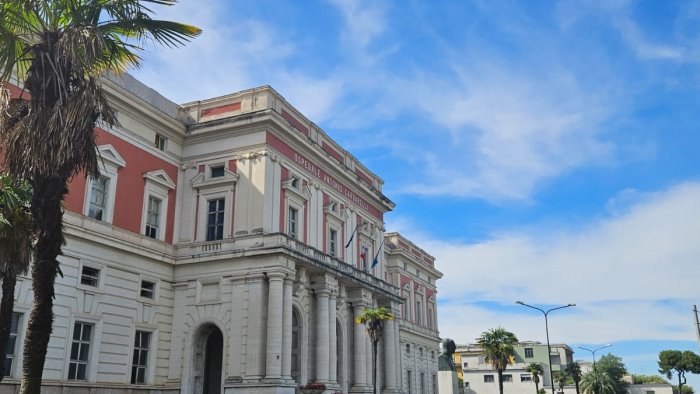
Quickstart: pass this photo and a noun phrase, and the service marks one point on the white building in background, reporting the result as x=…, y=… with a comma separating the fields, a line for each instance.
x=413, y=270
x=227, y=248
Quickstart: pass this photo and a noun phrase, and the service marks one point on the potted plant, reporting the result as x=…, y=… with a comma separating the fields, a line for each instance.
x=313, y=388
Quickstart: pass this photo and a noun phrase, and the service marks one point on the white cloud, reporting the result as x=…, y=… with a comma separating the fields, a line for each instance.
x=364, y=22
x=618, y=270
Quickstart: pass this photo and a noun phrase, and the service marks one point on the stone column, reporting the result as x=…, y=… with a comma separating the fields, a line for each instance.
x=390, y=343
x=275, y=297
x=322, y=337
x=287, y=331
x=359, y=348
x=332, y=339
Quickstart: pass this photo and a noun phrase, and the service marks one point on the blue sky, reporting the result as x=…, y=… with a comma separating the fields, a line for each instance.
x=546, y=151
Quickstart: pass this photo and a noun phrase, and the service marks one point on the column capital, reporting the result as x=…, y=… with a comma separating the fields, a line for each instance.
x=275, y=276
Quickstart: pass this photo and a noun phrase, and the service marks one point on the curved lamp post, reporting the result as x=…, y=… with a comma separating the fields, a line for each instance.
x=593, y=354
x=546, y=327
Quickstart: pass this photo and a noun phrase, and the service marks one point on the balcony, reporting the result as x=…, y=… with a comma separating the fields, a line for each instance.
x=261, y=244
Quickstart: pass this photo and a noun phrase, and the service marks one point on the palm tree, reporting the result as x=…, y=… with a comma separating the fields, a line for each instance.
x=498, y=346
x=596, y=382
x=58, y=49
x=16, y=242
x=560, y=378
x=574, y=370
x=374, y=319
x=536, y=370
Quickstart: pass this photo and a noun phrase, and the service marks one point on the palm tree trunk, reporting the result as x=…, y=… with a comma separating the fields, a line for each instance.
x=46, y=208
x=537, y=387
x=577, y=391
x=374, y=366
x=6, y=306
x=500, y=381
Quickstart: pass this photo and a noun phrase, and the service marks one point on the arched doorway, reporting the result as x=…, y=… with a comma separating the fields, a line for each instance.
x=296, y=346
x=208, y=360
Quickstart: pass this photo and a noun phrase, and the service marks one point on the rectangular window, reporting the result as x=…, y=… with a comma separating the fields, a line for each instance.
x=529, y=352
x=422, y=382
x=215, y=220
x=90, y=276
x=148, y=289
x=525, y=377
x=153, y=217
x=98, y=198
x=161, y=142
x=11, y=348
x=292, y=221
x=142, y=341
x=419, y=309
x=217, y=172
x=488, y=379
x=80, y=351
x=408, y=348
x=333, y=243
x=507, y=378
x=430, y=317
x=434, y=381
x=410, y=382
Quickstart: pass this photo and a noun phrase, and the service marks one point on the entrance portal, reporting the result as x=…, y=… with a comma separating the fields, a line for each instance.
x=208, y=360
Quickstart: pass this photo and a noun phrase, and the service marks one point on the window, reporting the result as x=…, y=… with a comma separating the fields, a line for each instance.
x=292, y=222
x=215, y=220
x=488, y=379
x=11, y=348
x=217, y=172
x=422, y=382
x=408, y=348
x=90, y=276
x=419, y=309
x=161, y=142
x=153, y=217
x=410, y=382
x=434, y=381
x=420, y=351
x=80, y=351
x=525, y=377
x=507, y=378
x=142, y=341
x=294, y=183
x=98, y=198
x=529, y=353
x=148, y=289
x=430, y=317
x=333, y=242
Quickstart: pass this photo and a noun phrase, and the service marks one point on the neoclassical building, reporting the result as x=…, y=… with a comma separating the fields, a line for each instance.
x=226, y=247
x=412, y=269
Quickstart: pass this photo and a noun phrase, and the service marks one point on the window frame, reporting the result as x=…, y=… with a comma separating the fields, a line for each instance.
x=155, y=292
x=159, y=140
x=489, y=378
x=531, y=351
x=78, y=362
x=101, y=268
x=219, y=213
x=12, y=352
x=109, y=163
x=136, y=367
x=158, y=185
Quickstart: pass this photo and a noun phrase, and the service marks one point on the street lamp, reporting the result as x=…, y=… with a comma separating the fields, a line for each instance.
x=593, y=352
x=594, y=369
x=546, y=327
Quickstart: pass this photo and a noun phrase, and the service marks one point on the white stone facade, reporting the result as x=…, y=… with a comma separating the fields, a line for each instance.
x=413, y=270
x=217, y=259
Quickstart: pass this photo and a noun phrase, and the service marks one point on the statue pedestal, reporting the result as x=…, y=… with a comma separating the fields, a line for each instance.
x=447, y=382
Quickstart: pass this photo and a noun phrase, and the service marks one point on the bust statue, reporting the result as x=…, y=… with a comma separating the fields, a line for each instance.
x=445, y=362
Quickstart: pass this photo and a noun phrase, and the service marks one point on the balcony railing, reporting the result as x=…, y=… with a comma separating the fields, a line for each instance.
x=259, y=243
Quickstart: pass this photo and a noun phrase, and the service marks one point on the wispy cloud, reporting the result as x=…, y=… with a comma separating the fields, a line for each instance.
x=617, y=269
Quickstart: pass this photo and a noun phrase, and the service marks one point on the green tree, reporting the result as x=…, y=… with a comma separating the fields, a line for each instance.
x=560, y=378
x=16, y=243
x=679, y=363
x=498, y=346
x=57, y=50
x=374, y=319
x=613, y=366
x=644, y=379
x=574, y=371
x=597, y=382
x=684, y=390
x=536, y=370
